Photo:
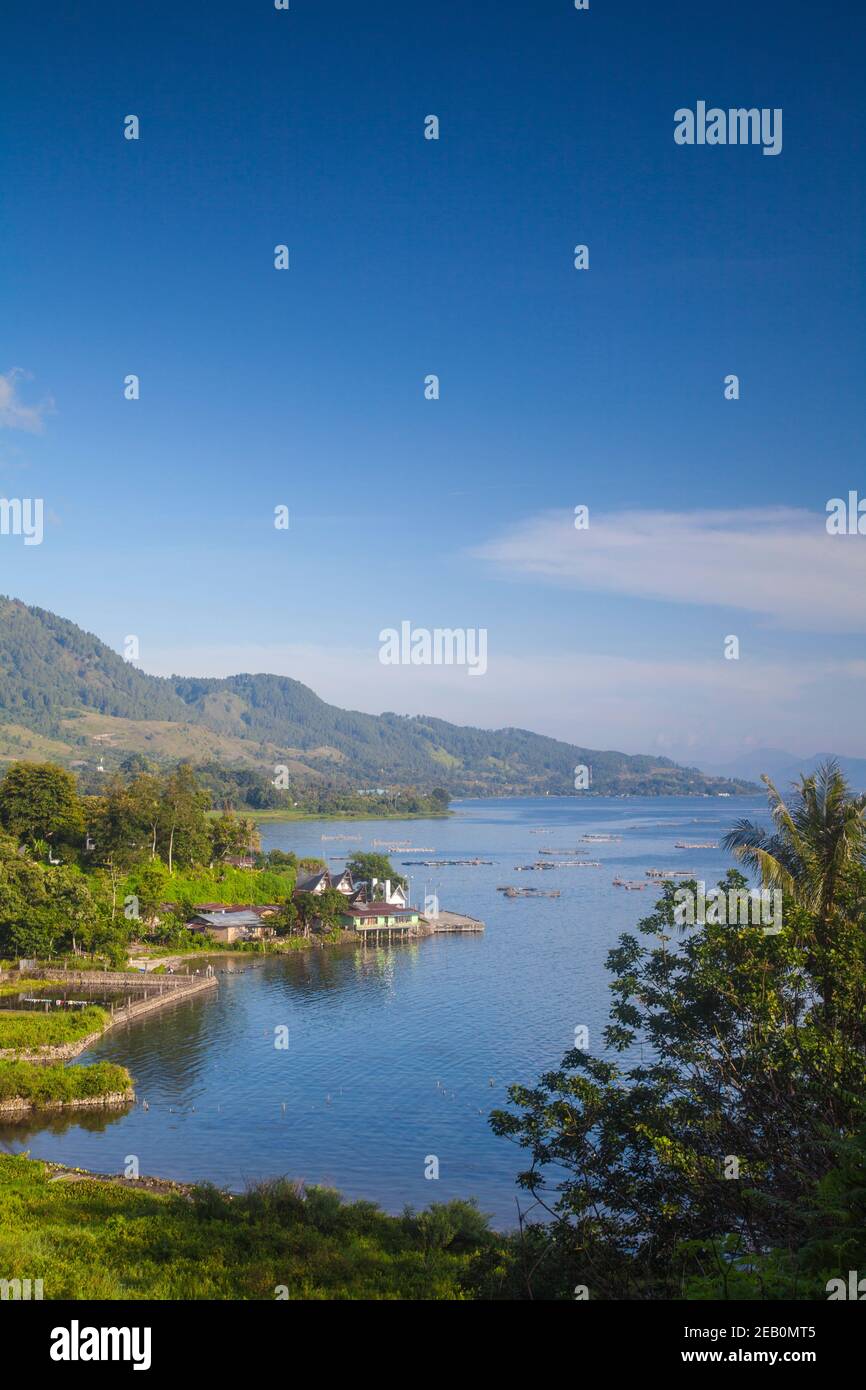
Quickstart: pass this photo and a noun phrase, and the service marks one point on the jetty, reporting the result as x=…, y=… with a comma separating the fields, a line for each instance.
x=696, y=844
x=445, y=921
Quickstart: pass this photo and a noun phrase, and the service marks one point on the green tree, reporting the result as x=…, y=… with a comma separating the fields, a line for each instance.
x=144, y=798
x=309, y=910
x=311, y=865
x=332, y=905
x=287, y=922
x=119, y=837
x=233, y=835
x=45, y=908
x=306, y=906
x=151, y=884
x=367, y=866
x=814, y=850
x=183, y=833
x=729, y=1055
x=281, y=859
x=39, y=801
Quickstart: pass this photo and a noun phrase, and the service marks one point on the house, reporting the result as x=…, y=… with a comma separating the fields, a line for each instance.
x=343, y=882
x=240, y=861
x=314, y=883
x=323, y=878
x=374, y=890
x=378, y=916
x=227, y=926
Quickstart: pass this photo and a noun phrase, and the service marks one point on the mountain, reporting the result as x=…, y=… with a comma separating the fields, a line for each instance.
x=66, y=696
x=784, y=768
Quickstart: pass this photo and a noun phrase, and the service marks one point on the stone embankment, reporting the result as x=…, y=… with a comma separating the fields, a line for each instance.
x=168, y=989
x=111, y=1101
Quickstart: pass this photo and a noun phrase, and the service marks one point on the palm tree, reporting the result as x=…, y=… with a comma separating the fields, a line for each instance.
x=813, y=845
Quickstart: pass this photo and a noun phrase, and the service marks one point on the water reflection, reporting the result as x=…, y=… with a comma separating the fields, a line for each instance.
x=15, y=1132
x=392, y=1047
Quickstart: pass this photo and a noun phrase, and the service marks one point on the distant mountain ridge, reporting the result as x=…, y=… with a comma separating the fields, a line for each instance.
x=784, y=768
x=65, y=695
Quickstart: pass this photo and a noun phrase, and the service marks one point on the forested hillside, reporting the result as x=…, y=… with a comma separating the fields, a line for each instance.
x=64, y=694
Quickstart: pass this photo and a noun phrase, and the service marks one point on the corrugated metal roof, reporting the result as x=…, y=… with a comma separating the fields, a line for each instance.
x=230, y=919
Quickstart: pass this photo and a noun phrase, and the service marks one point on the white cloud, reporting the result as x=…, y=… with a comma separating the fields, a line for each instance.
x=14, y=414
x=777, y=562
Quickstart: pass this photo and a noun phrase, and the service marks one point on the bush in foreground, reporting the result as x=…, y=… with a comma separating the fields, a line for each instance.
x=93, y=1239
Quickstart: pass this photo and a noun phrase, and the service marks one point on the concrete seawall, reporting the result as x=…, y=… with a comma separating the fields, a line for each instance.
x=172, y=990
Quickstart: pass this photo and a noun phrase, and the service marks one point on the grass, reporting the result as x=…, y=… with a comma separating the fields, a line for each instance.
x=96, y=1240
x=225, y=884
x=80, y=964
x=28, y=1031
x=37, y=1083
x=22, y=983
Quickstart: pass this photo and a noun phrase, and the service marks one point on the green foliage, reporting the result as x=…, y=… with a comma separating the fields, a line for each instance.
x=233, y=835
x=279, y=859
x=701, y=1163
x=46, y=908
x=367, y=866
x=833, y=1241
x=311, y=865
x=221, y=884
x=309, y=910
x=40, y=1084
x=275, y=1237
x=26, y=1030
x=39, y=801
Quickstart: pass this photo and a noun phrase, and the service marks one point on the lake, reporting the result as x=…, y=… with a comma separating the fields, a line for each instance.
x=399, y=1052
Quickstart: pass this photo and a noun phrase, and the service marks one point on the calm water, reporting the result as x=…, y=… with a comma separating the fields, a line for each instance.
x=395, y=1053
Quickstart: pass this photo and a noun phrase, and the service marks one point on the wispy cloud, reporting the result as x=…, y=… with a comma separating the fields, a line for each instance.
x=14, y=414
x=777, y=562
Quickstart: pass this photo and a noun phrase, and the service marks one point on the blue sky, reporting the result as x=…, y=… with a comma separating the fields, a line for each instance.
x=408, y=257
